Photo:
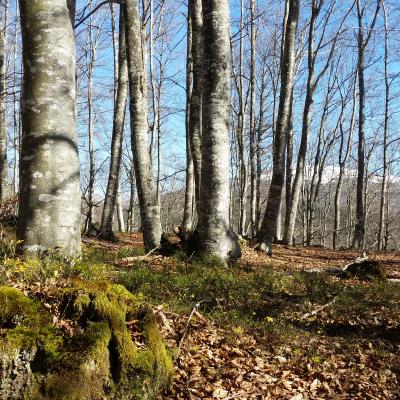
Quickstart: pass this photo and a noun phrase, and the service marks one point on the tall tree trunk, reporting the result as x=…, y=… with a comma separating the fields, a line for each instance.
x=3, y=114
x=16, y=116
x=383, y=200
x=270, y=220
x=241, y=137
x=50, y=200
x=131, y=209
x=188, y=211
x=307, y=113
x=258, y=156
x=120, y=213
x=312, y=84
x=195, y=118
x=359, y=229
x=149, y=210
x=253, y=138
x=92, y=161
x=159, y=115
x=289, y=171
x=216, y=236
x=117, y=135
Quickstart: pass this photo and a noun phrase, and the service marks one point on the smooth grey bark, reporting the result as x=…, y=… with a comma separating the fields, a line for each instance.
x=312, y=84
x=289, y=170
x=120, y=213
x=307, y=114
x=215, y=233
x=91, y=123
x=188, y=211
x=50, y=200
x=383, y=199
x=132, y=198
x=253, y=138
x=269, y=224
x=110, y=200
x=3, y=114
x=159, y=130
x=241, y=131
x=149, y=210
x=195, y=118
x=16, y=116
x=260, y=128
x=156, y=91
x=362, y=43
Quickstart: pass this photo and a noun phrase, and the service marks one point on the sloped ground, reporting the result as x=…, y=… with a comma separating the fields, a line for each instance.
x=260, y=328
x=304, y=258
x=219, y=363
x=283, y=333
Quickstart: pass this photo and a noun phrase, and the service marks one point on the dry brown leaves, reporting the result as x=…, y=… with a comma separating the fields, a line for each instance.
x=300, y=258
x=218, y=364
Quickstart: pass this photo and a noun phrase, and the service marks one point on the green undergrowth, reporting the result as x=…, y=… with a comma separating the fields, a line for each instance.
x=100, y=359
x=26, y=324
x=85, y=336
x=264, y=300
x=105, y=306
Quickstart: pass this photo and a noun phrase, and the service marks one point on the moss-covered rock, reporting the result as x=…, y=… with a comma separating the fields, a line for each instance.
x=100, y=361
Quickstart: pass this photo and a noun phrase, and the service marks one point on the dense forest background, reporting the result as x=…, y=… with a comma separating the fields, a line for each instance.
x=199, y=199
x=327, y=189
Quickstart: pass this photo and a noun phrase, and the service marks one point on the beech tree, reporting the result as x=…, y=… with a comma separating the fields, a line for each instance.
x=270, y=221
x=137, y=76
x=188, y=212
x=382, y=237
x=50, y=201
x=216, y=235
x=313, y=81
x=3, y=121
x=196, y=99
x=362, y=43
x=252, y=133
x=312, y=127
x=117, y=136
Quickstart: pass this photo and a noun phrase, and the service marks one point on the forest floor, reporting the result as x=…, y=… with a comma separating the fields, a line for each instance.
x=280, y=327
x=268, y=328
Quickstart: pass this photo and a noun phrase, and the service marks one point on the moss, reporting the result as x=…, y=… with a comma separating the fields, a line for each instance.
x=101, y=359
x=141, y=373
x=156, y=360
x=150, y=369
x=28, y=326
x=85, y=367
x=16, y=308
